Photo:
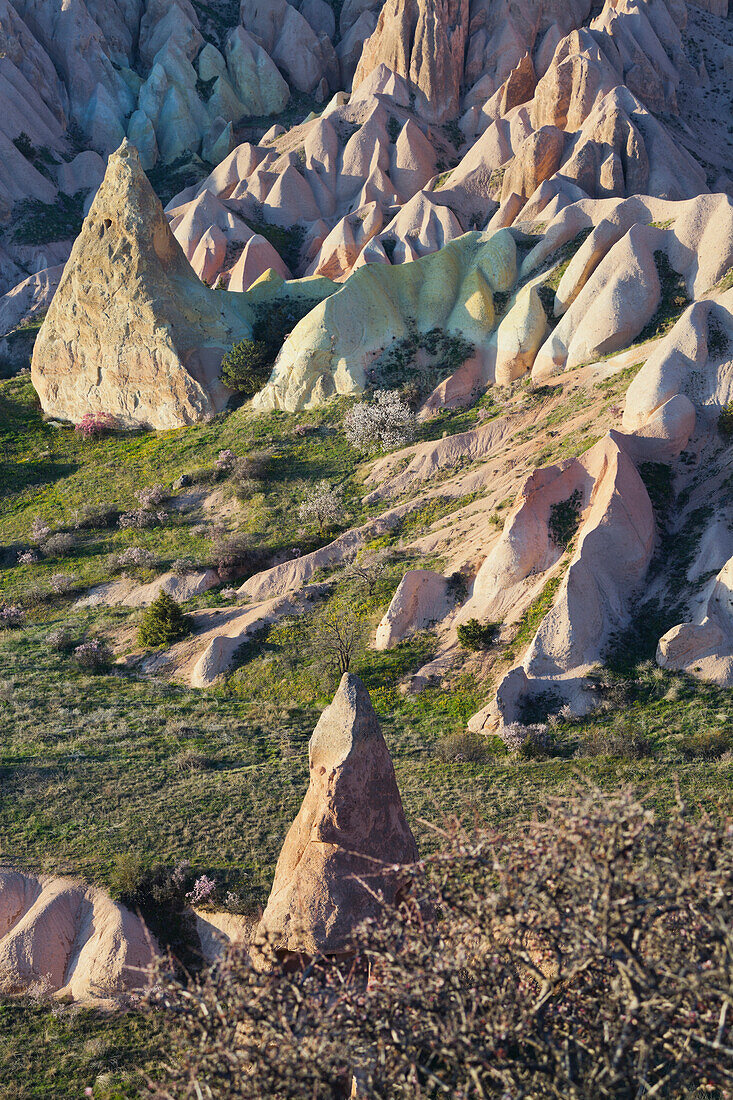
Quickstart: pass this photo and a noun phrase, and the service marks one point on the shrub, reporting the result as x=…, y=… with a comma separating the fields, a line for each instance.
x=622, y=740
x=11, y=616
x=58, y=546
x=464, y=747
x=62, y=640
x=203, y=891
x=93, y=655
x=152, y=496
x=321, y=506
x=387, y=422
x=183, y=566
x=39, y=531
x=162, y=623
x=62, y=583
x=707, y=744
x=474, y=635
x=586, y=954
x=530, y=741
x=246, y=368
x=95, y=425
x=235, y=554
x=564, y=518
x=141, y=518
x=28, y=557
x=135, y=557
x=725, y=421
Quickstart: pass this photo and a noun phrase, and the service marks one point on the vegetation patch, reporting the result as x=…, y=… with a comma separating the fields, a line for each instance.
x=474, y=635
x=36, y=222
x=530, y=621
x=564, y=519
x=674, y=301
x=162, y=623
x=423, y=359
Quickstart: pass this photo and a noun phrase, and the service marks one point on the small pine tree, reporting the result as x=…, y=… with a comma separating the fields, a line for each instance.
x=474, y=635
x=247, y=366
x=162, y=623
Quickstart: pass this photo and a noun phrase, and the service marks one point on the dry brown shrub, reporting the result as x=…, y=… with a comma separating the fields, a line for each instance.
x=587, y=955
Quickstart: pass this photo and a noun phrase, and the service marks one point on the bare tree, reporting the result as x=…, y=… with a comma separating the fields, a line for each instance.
x=321, y=506
x=369, y=568
x=338, y=635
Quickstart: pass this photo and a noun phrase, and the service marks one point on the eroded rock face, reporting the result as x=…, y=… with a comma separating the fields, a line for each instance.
x=131, y=330
x=425, y=41
x=69, y=938
x=351, y=825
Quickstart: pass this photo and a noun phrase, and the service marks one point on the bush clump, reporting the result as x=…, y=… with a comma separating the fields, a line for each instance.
x=564, y=519
x=474, y=635
x=162, y=623
x=246, y=368
x=586, y=954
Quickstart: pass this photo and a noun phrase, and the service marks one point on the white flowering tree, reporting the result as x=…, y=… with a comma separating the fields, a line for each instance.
x=321, y=506
x=385, y=422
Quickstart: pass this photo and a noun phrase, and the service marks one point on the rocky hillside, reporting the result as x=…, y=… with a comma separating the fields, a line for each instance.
x=387, y=336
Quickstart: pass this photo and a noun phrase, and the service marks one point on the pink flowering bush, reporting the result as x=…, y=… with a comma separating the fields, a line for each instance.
x=135, y=557
x=225, y=461
x=203, y=891
x=28, y=557
x=151, y=496
x=11, y=615
x=93, y=655
x=39, y=531
x=62, y=583
x=95, y=425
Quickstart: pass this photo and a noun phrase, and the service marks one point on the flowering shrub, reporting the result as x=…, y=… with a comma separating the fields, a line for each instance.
x=135, y=557
x=527, y=740
x=61, y=583
x=225, y=461
x=28, y=557
x=229, y=593
x=203, y=890
x=94, y=654
x=39, y=531
x=151, y=496
x=11, y=615
x=57, y=546
x=387, y=422
x=95, y=425
x=141, y=518
x=321, y=506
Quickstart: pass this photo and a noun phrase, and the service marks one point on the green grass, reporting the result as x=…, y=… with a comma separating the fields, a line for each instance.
x=55, y=1053
x=49, y=471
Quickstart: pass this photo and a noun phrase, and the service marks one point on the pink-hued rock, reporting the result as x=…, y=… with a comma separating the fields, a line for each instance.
x=29, y=298
x=704, y=648
x=614, y=546
x=69, y=938
x=419, y=601
x=257, y=257
x=424, y=41
x=305, y=58
x=347, y=853
x=208, y=259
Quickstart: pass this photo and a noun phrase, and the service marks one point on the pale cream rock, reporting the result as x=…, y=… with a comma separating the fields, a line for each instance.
x=348, y=852
x=131, y=331
x=519, y=336
x=329, y=350
x=705, y=648
x=420, y=601
x=71, y=937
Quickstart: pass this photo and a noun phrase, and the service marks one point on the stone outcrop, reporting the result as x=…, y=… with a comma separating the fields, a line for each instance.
x=423, y=41
x=131, y=331
x=420, y=601
x=330, y=350
x=345, y=854
x=69, y=939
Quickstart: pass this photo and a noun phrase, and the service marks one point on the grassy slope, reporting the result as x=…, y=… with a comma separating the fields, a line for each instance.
x=95, y=767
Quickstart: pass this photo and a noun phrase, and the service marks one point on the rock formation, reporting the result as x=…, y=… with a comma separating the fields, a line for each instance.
x=69, y=939
x=131, y=330
x=342, y=858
